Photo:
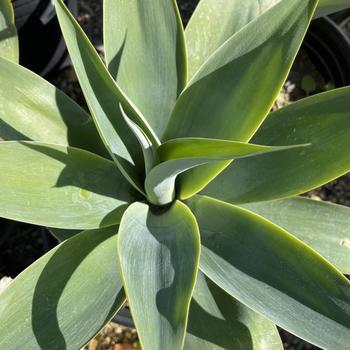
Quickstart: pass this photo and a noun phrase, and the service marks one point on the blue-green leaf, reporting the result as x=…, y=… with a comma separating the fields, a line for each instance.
x=274, y=273
x=64, y=298
x=145, y=52
x=215, y=21
x=217, y=321
x=188, y=153
x=324, y=121
x=103, y=97
x=323, y=226
x=159, y=253
x=61, y=187
x=8, y=32
x=33, y=109
x=232, y=93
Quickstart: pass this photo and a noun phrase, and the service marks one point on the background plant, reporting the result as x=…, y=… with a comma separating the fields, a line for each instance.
x=70, y=181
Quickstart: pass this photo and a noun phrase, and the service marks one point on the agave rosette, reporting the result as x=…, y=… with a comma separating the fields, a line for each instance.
x=179, y=191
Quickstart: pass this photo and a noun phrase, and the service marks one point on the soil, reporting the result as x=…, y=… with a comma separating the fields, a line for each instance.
x=21, y=244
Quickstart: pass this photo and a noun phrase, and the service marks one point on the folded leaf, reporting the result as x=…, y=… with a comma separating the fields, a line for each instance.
x=8, y=32
x=103, y=97
x=60, y=186
x=196, y=147
x=149, y=152
x=217, y=321
x=274, y=273
x=323, y=226
x=324, y=121
x=33, y=109
x=248, y=67
x=145, y=52
x=188, y=153
x=159, y=253
x=215, y=21
x=65, y=297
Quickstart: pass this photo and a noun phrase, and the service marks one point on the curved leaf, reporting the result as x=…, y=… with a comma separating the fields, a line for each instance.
x=64, y=298
x=160, y=182
x=8, y=32
x=217, y=321
x=150, y=157
x=323, y=226
x=159, y=255
x=196, y=147
x=60, y=186
x=247, y=67
x=145, y=52
x=215, y=21
x=324, y=121
x=274, y=273
x=103, y=97
x=33, y=109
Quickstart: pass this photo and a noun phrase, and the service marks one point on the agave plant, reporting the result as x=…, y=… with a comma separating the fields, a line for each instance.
x=180, y=192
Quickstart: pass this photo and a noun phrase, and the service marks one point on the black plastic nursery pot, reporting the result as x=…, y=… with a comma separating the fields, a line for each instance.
x=329, y=49
x=41, y=44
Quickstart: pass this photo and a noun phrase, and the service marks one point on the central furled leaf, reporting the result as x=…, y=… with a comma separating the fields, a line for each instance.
x=159, y=255
x=181, y=155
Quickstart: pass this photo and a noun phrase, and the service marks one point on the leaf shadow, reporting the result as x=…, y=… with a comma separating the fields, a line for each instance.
x=8, y=32
x=254, y=260
x=105, y=94
x=114, y=64
x=7, y=132
x=77, y=172
x=227, y=332
x=175, y=255
x=46, y=323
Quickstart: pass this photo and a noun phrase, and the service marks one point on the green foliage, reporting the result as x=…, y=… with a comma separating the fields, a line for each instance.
x=8, y=32
x=172, y=115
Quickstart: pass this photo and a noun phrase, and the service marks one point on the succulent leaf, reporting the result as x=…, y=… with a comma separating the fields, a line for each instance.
x=217, y=321
x=235, y=88
x=60, y=186
x=103, y=97
x=188, y=153
x=146, y=54
x=8, y=32
x=324, y=121
x=159, y=295
x=64, y=298
x=33, y=109
x=274, y=273
x=323, y=226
